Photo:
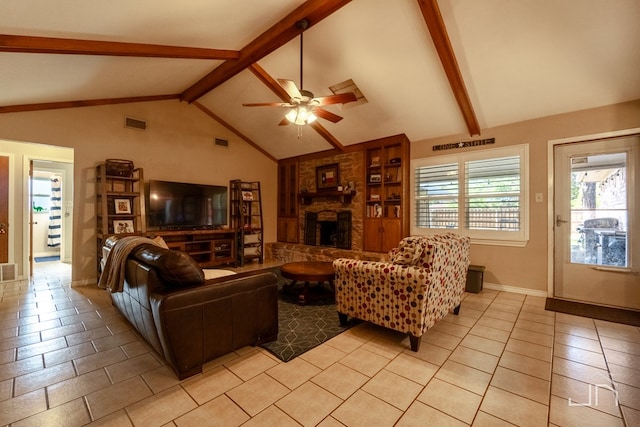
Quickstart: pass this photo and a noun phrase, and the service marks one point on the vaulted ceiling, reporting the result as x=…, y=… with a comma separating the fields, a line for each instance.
x=427, y=68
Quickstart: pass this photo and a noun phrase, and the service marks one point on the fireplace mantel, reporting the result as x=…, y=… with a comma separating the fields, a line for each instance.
x=344, y=197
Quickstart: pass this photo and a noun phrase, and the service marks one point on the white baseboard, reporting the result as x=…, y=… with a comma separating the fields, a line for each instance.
x=515, y=290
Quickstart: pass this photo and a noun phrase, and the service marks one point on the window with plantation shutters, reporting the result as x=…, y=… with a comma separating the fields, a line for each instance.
x=437, y=196
x=482, y=194
x=492, y=194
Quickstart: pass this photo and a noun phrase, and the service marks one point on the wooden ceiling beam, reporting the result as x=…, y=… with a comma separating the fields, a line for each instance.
x=269, y=82
x=438, y=31
x=232, y=129
x=327, y=136
x=87, y=103
x=276, y=36
x=29, y=44
x=275, y=87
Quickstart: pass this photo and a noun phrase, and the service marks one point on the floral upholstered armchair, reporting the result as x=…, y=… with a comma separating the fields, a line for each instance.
x=423, y=280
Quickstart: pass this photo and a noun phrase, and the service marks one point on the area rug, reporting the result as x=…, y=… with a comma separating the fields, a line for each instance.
x=303, y=327
x=47, y=258
x=610, y=314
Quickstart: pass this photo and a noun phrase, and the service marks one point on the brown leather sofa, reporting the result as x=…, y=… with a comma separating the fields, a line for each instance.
x=189, y=320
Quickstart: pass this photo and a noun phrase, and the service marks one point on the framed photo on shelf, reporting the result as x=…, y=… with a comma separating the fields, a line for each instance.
x=122, y=226
x=122, y=206
x=375, y=197
x=327, y=177
x=375, y=177
x=247, y=195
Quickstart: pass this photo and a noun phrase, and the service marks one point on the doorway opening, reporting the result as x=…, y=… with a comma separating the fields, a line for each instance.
x=51, y=204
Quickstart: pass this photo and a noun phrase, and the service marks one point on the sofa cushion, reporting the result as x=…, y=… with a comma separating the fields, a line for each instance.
x=408, y=252
x=175, y=268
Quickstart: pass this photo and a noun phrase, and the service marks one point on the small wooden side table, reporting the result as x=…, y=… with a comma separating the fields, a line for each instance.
x=307, y=272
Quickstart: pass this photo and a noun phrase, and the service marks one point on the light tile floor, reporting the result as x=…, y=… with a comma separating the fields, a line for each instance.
x=67, y=358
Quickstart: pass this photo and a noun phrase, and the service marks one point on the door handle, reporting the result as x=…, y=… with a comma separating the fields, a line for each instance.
x=559, y=221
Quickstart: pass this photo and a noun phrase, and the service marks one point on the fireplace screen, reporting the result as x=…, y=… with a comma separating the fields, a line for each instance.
x=333, y=229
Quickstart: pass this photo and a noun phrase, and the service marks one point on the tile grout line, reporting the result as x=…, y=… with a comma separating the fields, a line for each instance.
x=613, y=384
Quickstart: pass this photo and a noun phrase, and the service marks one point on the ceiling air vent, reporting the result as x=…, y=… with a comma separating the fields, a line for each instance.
x=135, y=123
x=222, y=142
x=349, y=86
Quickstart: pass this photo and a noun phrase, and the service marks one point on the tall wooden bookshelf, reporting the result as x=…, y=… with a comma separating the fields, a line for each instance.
x=120, y=205
x=246, y=218
x=386, y=219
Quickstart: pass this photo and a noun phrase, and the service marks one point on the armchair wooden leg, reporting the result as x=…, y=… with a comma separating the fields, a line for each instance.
x=343, y=319
x=415, y=342
x=456, y=310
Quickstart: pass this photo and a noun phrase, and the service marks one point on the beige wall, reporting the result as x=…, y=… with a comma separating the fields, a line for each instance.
x=178, y=145
x=527, y=267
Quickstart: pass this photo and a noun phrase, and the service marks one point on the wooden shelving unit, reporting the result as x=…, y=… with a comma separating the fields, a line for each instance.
x=288, y=226
x=120, y=205
x=209, y=248
x=386, y=199
x=246, y=217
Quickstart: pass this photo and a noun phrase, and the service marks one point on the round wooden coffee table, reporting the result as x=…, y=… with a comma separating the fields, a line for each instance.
x=307, y=272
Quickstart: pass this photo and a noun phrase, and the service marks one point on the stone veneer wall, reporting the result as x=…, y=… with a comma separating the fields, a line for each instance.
x=350, y=170
x=291, y=252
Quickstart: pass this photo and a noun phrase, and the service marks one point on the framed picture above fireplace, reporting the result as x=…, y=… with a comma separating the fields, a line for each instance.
x=328, y=177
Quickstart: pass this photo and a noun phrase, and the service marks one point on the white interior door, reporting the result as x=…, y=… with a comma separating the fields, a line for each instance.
x=597, y=251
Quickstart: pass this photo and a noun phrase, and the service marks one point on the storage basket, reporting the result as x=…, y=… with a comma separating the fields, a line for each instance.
x=119, y=167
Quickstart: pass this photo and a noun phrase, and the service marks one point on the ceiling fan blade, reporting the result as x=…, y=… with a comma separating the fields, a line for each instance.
x=341, y=98
x=327, y=115
x=291, y=88
x=284, y=122
x=268, y=104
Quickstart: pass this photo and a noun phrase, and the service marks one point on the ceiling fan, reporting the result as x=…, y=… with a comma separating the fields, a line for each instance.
x=304, y=108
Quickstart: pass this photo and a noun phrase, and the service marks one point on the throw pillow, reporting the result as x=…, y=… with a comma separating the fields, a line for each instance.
x=408, y=252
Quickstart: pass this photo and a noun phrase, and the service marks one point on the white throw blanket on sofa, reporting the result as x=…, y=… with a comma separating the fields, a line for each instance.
x=112, y=277
x=215, y=273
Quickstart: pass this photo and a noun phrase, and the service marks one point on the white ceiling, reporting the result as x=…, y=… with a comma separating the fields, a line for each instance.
x=519, y=60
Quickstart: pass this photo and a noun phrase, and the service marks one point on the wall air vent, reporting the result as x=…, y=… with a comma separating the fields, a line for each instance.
x=135, y=123
x=349, y=86
x=222, y=142
x=8, y=272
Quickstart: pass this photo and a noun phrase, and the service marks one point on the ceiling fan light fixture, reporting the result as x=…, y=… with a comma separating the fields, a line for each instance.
x=301, y=115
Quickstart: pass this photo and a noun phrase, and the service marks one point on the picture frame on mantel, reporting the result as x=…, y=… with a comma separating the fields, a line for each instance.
x=328, y=177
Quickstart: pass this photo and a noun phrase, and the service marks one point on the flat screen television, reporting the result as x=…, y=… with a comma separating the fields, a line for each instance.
x=181, y=205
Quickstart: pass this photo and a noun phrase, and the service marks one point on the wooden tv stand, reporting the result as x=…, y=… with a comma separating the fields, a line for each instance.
x=210, y=248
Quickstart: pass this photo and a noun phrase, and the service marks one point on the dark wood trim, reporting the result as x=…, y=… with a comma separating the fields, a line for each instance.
x=347, y=149
x=232, y=129
x=276, y=36
x=86, y=103
x=29, y=44
x=435, y=23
